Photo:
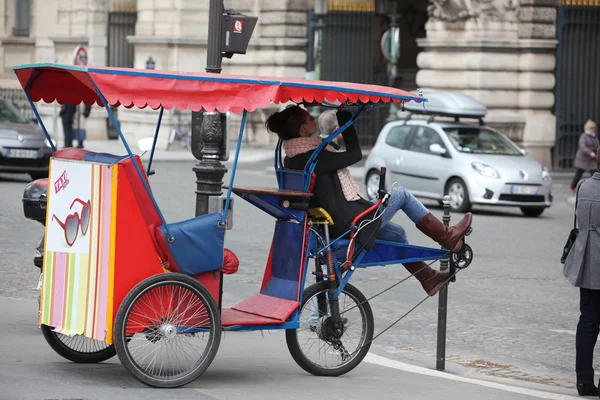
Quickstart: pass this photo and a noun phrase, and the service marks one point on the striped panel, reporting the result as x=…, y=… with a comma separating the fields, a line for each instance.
x=76, y=288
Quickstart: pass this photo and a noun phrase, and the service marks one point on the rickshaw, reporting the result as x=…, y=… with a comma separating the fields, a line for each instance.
x=121, y=277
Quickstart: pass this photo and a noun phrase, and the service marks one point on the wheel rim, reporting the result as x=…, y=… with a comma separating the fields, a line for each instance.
x=82, y=344
x=169, y=331
x=311, y=331
x=372, y=186
x=457, y=195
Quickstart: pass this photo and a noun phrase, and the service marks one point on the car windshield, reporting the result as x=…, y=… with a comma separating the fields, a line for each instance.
x=10, y=113
x=480, y=141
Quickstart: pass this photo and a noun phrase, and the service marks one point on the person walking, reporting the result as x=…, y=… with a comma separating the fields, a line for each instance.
x=68, y=113
x=585, y=158
x=582, y=270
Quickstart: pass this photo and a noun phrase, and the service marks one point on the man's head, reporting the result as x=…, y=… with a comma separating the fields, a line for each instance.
x=328, y=122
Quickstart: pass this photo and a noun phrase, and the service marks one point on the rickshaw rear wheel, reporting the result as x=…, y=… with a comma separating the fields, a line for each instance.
x=162, y=329
x=318, y=330
x=88, y=351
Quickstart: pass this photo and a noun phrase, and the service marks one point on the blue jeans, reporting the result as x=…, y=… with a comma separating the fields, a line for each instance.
x=400, y=199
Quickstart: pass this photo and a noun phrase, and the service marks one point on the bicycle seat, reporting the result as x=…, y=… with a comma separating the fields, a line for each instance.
x=318, y=216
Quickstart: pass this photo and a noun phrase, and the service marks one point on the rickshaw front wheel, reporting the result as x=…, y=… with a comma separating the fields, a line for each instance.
x=79, y=349
x=167, y=330
x=321, y=349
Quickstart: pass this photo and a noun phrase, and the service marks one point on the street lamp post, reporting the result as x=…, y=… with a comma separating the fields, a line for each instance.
x=390, y=45
x=207, y=129
x=208, y=126
x=319, y=11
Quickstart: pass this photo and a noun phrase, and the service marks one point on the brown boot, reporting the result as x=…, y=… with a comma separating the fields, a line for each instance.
x=431, y=279
x=449, y=237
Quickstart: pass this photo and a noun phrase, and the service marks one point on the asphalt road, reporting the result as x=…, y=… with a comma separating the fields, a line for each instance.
x=511, y=314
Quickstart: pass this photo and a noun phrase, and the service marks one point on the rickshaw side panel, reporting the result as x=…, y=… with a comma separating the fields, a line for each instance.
x=135, y=256
x=78, y=269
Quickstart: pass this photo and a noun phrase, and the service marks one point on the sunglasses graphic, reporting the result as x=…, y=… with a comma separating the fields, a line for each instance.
x=73, y=221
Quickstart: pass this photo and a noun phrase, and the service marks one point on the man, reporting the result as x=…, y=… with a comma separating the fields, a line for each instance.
x=67, y=115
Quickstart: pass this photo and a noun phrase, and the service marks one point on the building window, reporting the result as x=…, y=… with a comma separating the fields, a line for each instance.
x=22, y=17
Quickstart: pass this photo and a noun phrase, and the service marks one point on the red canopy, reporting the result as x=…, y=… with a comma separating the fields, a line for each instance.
x=148, y=88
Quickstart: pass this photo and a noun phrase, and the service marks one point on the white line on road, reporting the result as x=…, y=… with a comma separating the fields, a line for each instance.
x=386, y=362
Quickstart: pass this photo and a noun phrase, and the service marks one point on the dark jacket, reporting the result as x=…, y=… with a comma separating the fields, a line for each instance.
x=68, y=111
x=327, y=192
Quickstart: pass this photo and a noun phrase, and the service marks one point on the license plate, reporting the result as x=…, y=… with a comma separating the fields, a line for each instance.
x=19, y=153
x=524, y=189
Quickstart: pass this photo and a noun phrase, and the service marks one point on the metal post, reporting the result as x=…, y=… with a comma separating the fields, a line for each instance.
x=443, y=302
x=207, y=127
x=394, y=56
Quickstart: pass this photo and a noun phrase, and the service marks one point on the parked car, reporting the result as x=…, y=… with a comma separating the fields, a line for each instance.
x=470, y=162
x=23, y=145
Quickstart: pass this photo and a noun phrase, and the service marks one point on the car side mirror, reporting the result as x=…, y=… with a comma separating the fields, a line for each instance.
x=437, y=149
x=524, y=151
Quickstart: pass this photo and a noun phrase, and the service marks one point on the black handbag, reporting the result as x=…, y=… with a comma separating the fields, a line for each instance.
x=573, y=234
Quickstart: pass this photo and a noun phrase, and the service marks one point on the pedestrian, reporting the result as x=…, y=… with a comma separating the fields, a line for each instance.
x=336, y=191
x=582, y=269
x=585, y=158
x=68, y=114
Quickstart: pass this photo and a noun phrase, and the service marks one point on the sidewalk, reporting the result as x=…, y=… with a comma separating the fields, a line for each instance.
x=247, y=154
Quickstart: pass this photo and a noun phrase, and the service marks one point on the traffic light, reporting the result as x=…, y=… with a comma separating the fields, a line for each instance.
x=237, y=30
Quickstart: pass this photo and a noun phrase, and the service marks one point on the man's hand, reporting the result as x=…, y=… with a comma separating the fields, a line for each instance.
x=593, y=154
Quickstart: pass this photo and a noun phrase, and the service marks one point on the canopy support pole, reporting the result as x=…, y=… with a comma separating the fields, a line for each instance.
x=235, y=161
x=160, y=115
x=37, y=116
x=135, y=164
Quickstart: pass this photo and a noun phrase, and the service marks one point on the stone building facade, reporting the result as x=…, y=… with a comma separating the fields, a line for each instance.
x=503, y=52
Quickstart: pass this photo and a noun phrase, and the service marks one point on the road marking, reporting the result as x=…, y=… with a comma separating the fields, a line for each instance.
x=389, y=363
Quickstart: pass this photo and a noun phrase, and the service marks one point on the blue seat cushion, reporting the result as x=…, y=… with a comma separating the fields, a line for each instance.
x=104, y=158
x=198, y=244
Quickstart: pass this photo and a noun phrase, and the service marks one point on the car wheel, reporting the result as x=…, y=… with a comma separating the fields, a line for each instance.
x=532, y=211
x=459, y=195
x=372, y=184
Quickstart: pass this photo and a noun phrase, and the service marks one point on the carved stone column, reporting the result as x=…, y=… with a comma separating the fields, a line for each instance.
x=496, y=51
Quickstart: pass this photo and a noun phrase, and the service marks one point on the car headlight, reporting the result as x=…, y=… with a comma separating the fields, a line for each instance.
x=37, y=254
x=545, y=174
x=485, y=170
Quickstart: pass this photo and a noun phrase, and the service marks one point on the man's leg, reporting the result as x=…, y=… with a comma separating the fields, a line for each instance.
x=68, y=132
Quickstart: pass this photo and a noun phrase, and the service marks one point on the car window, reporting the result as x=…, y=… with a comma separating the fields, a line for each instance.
x=480, y=141
x=10, y=113
x=423, y=138
x=397, y=136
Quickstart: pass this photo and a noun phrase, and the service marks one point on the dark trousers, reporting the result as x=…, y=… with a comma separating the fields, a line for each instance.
x=587, y=333
x=577, y=177
x=68, y=132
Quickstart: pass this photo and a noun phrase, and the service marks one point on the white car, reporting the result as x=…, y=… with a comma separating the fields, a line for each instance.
x=471, y=163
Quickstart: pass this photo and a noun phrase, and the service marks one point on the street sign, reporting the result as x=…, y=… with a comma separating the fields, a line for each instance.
x=80, y=56
x=237, y=30
x=238, y=25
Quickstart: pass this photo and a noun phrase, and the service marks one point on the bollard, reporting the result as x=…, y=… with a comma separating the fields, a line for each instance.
x=440, y=364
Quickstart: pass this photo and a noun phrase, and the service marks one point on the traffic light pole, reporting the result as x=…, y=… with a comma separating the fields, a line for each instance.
x=207, y=127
